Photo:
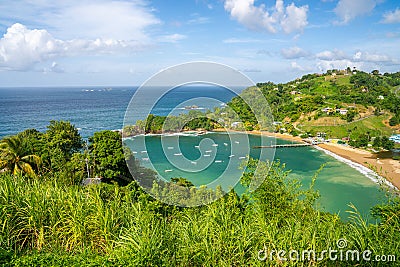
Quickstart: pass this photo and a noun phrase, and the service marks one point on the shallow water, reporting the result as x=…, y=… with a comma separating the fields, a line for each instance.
x=338, y=183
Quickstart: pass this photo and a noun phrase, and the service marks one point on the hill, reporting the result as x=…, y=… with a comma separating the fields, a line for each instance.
x=338, y=102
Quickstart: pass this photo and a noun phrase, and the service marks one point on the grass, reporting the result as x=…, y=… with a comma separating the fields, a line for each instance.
x=374, y=125
x=46, y=224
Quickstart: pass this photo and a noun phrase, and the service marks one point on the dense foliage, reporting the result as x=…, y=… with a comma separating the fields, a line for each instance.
x=45, y=223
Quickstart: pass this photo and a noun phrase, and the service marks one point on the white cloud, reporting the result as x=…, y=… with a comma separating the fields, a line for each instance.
x=85, y=19
x=392, y=17
x=371, y=57
x=295, y=18
x=288, y=19
x=360, y=59
x=294, y=52
x=295, y=66
x=21, y=48
x=348, y=10
x=331, y=55
x=172, y=38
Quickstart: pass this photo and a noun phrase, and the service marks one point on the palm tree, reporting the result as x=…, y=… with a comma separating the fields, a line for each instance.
x=15, y=159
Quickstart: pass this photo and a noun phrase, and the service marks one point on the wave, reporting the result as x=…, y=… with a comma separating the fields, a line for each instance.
x=370, y=174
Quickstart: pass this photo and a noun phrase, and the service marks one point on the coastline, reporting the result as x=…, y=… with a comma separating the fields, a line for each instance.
x=380, y=163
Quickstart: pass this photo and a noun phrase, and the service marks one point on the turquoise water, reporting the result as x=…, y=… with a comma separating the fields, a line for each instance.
x=94, y=109
x=338, y=183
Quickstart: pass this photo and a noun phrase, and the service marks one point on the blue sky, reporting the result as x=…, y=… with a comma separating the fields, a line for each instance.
x=124, y=42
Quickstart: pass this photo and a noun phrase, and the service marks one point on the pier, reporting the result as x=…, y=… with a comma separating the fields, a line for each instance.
x=307, y=142
x=285, y=145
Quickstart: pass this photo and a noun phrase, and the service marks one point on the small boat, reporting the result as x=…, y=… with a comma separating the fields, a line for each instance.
x=214, y=144
x=231, y=156
x=225, y=144
x=178, y=154
x=218, y=161
x=208, y=151
x=145, y=159
x=237, y=142
x=207, y=155
x=242, y=157
x=134, y=152
x=143, y=151
x=193, y=162
x=168, y=170
x=170, y=147
x=196, y=146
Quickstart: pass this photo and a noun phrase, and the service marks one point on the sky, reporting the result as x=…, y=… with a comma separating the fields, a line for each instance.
x=125, y=42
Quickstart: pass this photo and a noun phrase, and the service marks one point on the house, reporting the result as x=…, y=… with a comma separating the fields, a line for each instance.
x=342, y=111
x=327, y=110
x=236, y=124
x=381, y=97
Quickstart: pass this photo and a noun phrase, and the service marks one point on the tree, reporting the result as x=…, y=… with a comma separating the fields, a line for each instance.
x=394, y=121
x=15, y=159
x=375, y=72
x=377, y=142
x=182, y=182
x=386, y=143
x=109, y=156
x=63, y=140
x=64, y=135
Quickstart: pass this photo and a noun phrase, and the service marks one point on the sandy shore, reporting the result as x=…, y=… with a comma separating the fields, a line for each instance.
x=381, y=163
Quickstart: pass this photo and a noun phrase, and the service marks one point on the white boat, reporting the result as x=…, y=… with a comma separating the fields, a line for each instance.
x=231, y=156
x=134, y=152
x=208, y=151
x=145, y=159
x=168, y=170
x=193, y=162
x=214, y=144
x=207, y=155
x=242, y=157
x=170, y=147
x=143, y=151
x=225, y=144
x=218, y=161
x=196, y=147
x=178, y=154
x=237, y=142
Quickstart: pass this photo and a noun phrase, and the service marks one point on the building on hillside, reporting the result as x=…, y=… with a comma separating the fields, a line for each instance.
x=327, y=110
x=236, y=124
x=342, y=111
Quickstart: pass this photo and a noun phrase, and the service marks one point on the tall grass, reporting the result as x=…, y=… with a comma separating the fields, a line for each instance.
x=43, y=223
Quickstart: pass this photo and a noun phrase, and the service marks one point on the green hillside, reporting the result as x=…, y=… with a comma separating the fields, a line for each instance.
x=337, y=102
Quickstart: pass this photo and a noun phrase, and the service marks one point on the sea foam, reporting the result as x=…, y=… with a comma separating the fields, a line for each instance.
x=370, y=174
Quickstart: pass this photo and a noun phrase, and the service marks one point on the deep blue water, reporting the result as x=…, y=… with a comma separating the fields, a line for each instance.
x=90, y=109
x=93, y=109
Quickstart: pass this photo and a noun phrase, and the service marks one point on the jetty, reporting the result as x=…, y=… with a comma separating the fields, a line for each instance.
x=284, y=146
x=306, y=142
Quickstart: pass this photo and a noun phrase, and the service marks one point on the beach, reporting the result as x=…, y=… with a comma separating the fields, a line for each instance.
x=382, y=163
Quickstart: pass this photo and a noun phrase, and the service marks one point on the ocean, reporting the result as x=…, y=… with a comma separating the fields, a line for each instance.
x=93, y=109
